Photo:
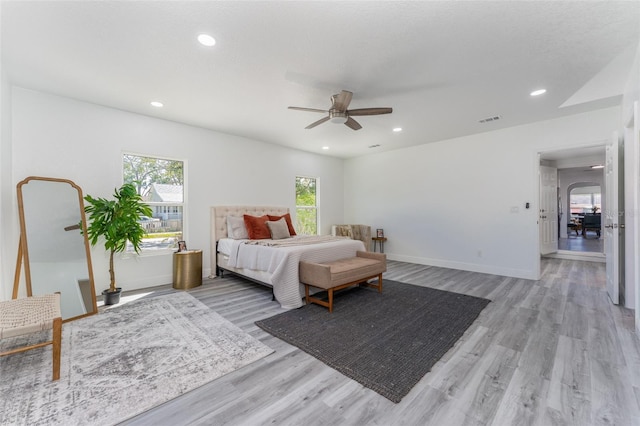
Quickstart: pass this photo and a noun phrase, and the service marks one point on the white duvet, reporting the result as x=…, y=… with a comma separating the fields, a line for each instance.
x=282, y=263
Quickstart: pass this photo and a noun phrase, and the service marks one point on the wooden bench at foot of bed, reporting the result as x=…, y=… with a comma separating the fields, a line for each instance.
x=339, y=274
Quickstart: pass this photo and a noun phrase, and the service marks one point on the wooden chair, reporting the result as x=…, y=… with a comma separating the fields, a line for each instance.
x=575, y=226
x=32, y=315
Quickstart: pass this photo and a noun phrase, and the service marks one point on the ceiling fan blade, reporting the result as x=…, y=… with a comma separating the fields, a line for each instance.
x=308, y=109
x=353, y=124
x=342, y=100
x=370, y=111
x=315, y=123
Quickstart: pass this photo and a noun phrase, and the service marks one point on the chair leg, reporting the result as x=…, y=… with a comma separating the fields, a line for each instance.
x=56, y=347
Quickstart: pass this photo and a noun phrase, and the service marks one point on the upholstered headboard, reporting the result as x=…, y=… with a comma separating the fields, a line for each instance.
x=219, y=221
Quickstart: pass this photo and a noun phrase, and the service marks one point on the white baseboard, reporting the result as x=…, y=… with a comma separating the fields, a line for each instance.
x=577, y=255
x=473, y=267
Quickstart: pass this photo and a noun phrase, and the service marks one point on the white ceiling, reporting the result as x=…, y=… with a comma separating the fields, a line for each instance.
x=442, y=66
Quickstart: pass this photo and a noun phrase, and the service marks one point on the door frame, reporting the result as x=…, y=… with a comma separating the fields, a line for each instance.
x=538, y=153
x=613, y=218
x=631, y=145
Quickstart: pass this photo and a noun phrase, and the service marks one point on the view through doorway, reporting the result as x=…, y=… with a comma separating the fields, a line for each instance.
x=583, y=209
x=580, y=199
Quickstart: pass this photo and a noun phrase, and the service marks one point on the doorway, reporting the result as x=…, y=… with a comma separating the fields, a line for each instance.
x=580, y=199
x=583, y=207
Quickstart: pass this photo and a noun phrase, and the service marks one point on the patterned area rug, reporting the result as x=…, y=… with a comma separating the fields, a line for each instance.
x=387, y=342
x=122, y=362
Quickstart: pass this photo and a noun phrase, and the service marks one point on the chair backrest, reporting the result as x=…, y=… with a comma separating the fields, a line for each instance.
x=591, y=221
x=356, y=232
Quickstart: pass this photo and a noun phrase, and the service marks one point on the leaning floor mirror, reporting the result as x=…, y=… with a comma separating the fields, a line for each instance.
x=54, y=249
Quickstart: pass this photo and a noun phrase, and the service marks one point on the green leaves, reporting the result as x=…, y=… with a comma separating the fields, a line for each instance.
x=144, y=171
x=117, y=220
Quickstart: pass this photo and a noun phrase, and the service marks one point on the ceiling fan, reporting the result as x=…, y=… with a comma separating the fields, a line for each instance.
x=339, y=112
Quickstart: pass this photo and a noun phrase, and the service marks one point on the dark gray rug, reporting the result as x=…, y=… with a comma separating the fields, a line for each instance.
x=387, y=342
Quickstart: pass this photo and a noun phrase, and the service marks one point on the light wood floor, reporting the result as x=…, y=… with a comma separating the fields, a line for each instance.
x=579, y=243
x=548, y=352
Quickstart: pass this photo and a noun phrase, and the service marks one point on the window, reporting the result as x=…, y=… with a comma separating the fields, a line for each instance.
x=306, y=206
x=160, y=182
x=585, y=199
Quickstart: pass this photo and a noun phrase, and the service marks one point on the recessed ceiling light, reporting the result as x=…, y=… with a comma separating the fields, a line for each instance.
x=325, y=147
x=157, y=104
x=397, y=129
x=598, y=166
x=538, y=92
x=206, y=40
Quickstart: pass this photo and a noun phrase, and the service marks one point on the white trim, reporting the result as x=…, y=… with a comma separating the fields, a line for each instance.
x=576, y=255
x=185, y=227
x=537, y=267
x=317, y=203
x=537, y=157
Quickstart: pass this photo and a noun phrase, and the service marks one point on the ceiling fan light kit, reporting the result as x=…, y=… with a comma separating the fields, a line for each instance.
x=338, y=117
x=340, y=114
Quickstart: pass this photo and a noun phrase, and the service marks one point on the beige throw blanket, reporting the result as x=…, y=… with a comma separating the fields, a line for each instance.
x=296, y=241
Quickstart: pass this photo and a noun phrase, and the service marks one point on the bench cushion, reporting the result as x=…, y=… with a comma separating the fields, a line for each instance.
x=347, y=270
x=333, y=274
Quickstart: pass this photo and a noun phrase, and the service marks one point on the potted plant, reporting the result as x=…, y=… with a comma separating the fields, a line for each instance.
x=117, y=221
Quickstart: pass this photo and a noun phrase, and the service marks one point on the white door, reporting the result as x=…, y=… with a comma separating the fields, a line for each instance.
x=611, y=219
x=548, y=217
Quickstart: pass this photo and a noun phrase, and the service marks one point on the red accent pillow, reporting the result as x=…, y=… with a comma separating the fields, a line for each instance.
x=287, y=218
x=257, y=227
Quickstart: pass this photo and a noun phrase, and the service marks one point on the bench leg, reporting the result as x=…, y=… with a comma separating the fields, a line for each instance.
x=329, y=303
x=330, y=300
x=372, y=285
x=56, y=346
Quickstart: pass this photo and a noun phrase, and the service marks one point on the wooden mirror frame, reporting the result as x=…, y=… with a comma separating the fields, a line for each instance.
x=90, y=306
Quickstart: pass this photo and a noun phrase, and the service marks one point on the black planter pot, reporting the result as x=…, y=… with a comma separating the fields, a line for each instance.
x=112, y=297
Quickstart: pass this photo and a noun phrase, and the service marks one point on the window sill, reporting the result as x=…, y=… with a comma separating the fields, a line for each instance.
x=148, y=253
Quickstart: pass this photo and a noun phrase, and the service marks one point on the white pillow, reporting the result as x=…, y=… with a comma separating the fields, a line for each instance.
x=279, y=229
x=236, y=229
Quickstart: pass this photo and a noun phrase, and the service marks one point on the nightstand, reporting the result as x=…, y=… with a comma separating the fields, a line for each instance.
x=380, y=240
x=187, y=269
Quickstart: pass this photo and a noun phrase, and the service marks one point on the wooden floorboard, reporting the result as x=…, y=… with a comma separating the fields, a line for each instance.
x=547, y=352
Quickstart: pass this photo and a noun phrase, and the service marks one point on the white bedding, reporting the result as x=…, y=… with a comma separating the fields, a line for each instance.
x=282, y=262
x=225, y=245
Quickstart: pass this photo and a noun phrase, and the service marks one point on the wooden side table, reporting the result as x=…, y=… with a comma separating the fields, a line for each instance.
x=380, y=240
x=187, y=269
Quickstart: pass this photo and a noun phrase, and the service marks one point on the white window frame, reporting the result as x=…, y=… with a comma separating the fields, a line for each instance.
x=317, y=204
x=162, y=252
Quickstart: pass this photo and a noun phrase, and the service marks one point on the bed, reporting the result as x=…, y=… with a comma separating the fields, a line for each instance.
x=273, y=263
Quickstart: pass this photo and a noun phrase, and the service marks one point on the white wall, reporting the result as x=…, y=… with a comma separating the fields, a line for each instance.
x=59, y=137
x=450, y=203
x=7, y=253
